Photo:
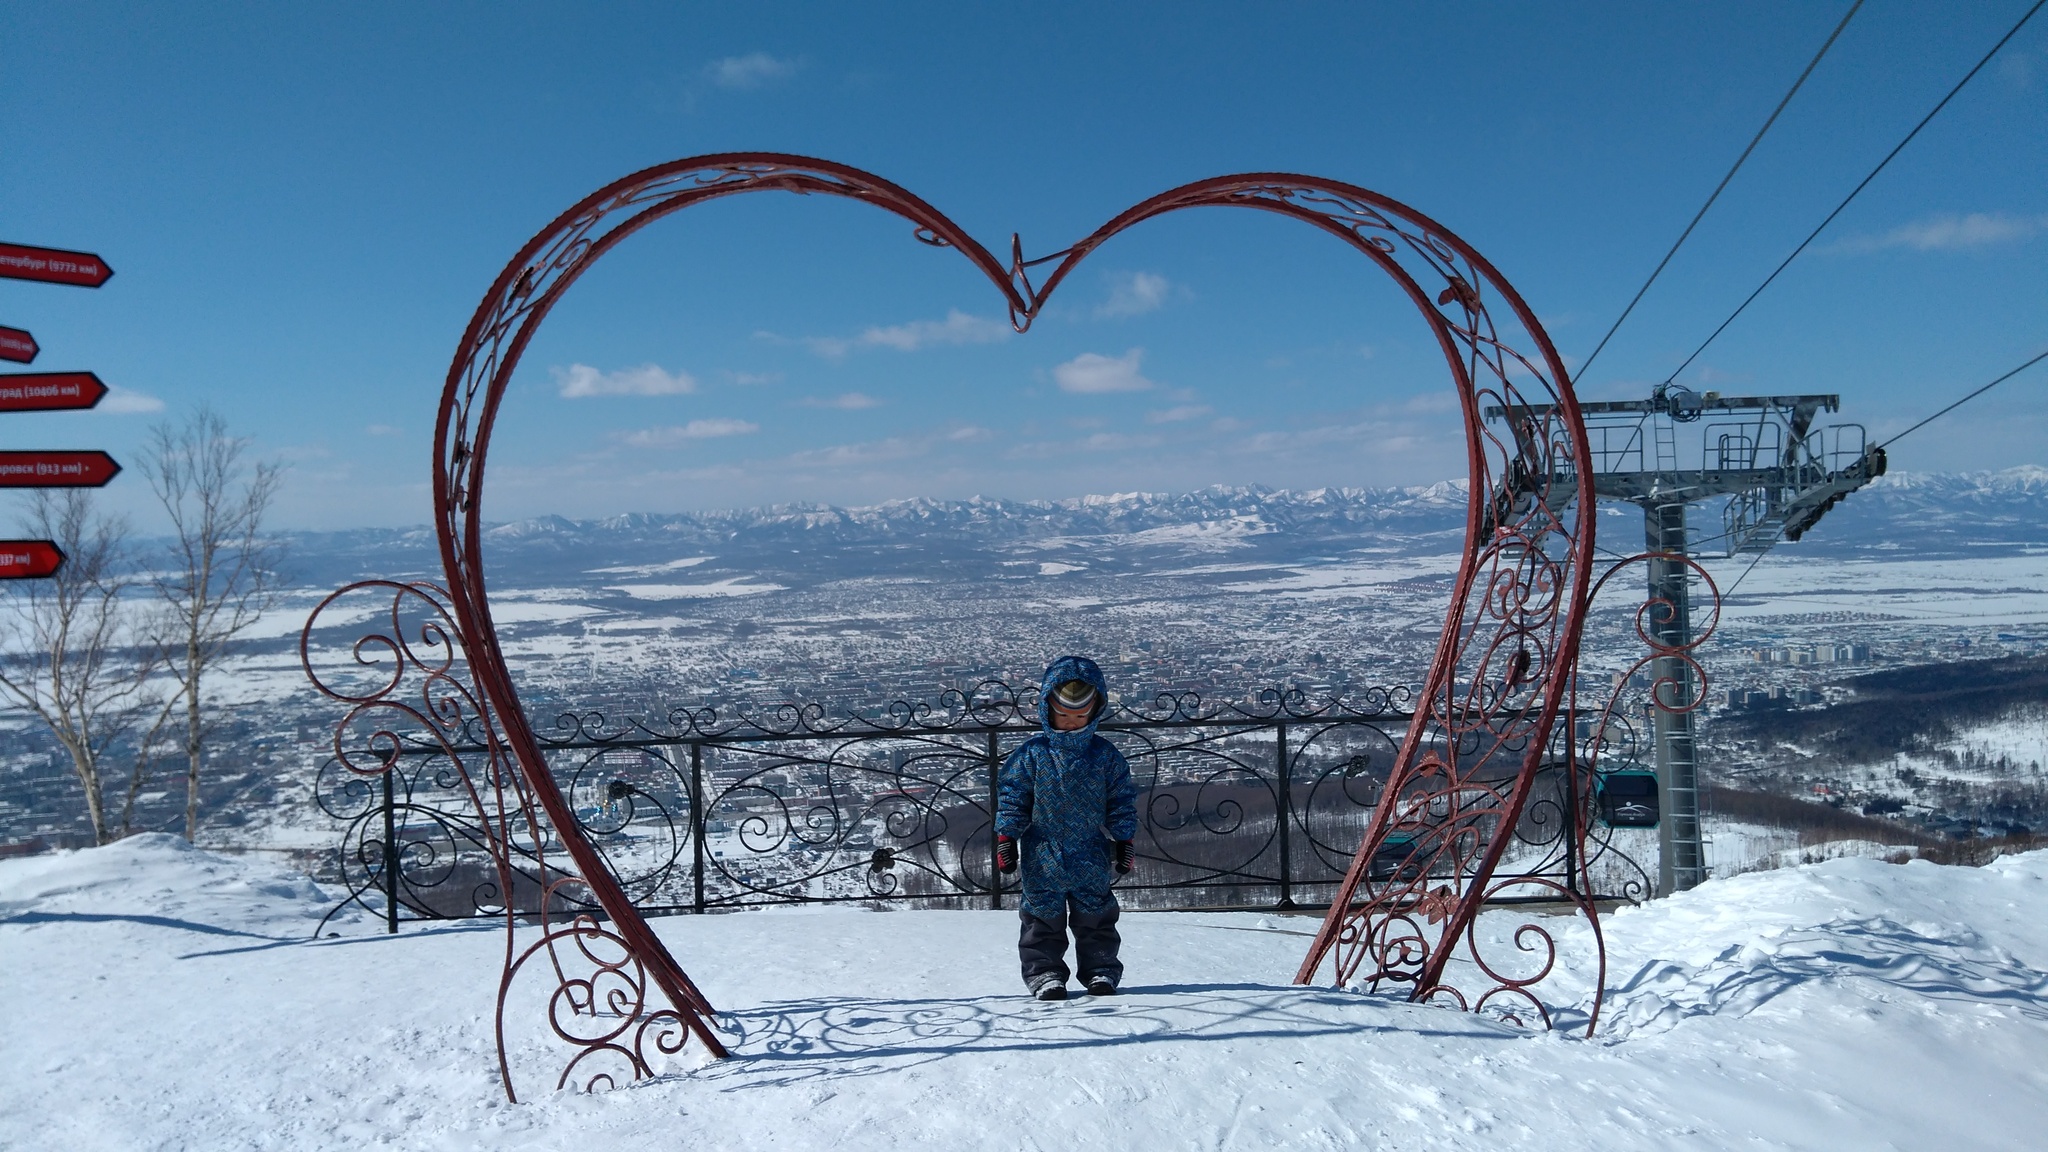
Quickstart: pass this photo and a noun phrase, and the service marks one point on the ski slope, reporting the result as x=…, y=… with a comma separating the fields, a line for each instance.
x=159, y=996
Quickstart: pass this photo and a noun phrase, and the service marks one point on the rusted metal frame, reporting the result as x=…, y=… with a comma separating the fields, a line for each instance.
x=1437, y=683
x=436, y=675
x=464, y=459
x=436, y=718
x=1564, y=664
x=1440, y=249
x=1230, y=191
x=1559, y=668
x=963, y=754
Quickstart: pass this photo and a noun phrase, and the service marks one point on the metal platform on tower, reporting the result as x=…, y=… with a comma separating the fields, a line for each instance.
x=1778, y=475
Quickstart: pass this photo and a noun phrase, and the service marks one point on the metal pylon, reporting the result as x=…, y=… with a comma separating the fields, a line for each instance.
x=1779, y=473
x=1673, y=701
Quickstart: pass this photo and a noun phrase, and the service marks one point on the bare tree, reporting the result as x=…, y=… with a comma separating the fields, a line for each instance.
x=221, y=573
x=72, y=659
x=149, y=748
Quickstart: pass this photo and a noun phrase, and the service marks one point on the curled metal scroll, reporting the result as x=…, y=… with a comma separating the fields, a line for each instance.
x=407, y=686
x=1510, y=638
x=1256, y=802
x=1611, y=736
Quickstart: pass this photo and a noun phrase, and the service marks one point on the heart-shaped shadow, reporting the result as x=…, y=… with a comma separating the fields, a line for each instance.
x=1486, y=709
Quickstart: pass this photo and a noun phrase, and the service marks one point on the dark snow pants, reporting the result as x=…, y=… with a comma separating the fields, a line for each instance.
x=1042, y=944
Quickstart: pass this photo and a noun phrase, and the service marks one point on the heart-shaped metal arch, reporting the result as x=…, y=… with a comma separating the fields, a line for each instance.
x=1492, y=693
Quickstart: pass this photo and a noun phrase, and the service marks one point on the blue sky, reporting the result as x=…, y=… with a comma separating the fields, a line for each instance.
x=304, y=204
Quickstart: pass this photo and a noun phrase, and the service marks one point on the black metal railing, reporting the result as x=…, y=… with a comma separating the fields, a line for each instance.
x=1254, y=804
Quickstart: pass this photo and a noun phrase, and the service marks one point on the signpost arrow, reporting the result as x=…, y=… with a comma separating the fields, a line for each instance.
x=53, y=265
x=29, y=559
x=56, y=469
x=49, y=391
x=17, y=346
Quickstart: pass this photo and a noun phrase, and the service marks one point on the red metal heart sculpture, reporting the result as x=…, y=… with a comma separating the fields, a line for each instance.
x=1484, y=720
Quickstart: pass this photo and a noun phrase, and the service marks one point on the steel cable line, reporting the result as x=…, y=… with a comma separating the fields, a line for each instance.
x=1858, y=189
x=1894, y=440
x=1964, y=400
x=1718, y=188
x=1746, y=571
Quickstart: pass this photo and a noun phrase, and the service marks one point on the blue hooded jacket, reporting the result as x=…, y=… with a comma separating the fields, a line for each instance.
x=1065, y=796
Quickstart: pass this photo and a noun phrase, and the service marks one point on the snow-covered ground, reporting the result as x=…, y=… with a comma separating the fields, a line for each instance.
x=165, y=997
x=1989, y=591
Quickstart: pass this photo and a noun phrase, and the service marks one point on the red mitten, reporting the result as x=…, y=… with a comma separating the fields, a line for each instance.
x=1006, y=854
x=1126, y=857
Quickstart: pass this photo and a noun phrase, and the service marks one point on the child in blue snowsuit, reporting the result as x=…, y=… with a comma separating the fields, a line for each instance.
x=1066, y=809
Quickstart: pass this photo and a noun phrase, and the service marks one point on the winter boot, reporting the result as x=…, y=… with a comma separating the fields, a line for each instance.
x=1049, y=987
x=1100, y=985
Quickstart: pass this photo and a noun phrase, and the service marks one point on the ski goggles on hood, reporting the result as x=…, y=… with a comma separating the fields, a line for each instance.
x=1074, y=696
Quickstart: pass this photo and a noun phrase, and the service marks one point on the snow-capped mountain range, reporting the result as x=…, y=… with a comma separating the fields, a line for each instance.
x=1933, y=514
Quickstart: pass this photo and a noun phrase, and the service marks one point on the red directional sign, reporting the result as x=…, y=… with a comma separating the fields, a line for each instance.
x=49, y=391
x=29, y=559
x=53, y=265
x=17, y=346
x=56, y=469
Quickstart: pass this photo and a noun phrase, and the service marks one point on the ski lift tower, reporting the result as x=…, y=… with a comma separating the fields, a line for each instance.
x=1780, y=475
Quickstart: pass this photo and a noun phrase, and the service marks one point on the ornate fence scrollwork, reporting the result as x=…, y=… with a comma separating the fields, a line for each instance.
x=1485, y=710
x=1240, y=805
x=1614, y=738
x=469, y=833
x=1255, y=804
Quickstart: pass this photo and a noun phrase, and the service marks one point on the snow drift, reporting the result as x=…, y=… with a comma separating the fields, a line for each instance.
x=163, y=997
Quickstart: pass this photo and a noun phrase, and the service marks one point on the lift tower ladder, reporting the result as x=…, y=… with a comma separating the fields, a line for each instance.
x=1780, y=475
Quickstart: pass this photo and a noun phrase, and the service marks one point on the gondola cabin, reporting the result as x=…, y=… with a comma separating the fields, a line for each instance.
x=1628, y=799
x=1397, y=858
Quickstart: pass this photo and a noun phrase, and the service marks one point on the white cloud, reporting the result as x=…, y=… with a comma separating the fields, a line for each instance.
x=124, y=402
x=694, y=430
x=754, y=379
x=854, y=455
x=1177, y=413
x=753, y=70
x=1091, y=373
x=874, y=452
x=845, y=401
x=1097, y=442
x=580, y=380
x=382, y=430
x=1116, y=441
x=957, y=328
x=1947, y=232
x=1135, y=293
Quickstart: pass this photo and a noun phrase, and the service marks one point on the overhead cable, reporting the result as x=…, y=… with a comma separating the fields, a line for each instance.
x=1746, y=571
x=1965, y=400
x=1701, y=214
x=1858, y=189
x=1894, y=440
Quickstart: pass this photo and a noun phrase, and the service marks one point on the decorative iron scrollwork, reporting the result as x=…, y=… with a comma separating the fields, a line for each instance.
x=469, y=834
x=1484, y=713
